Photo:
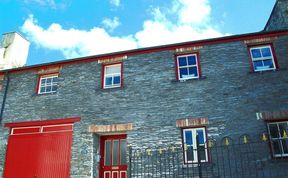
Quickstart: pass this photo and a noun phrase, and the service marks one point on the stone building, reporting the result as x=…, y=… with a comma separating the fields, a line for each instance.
x=75, y=118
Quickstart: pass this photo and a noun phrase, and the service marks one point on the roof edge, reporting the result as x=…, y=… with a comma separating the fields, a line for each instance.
x=18, y=34
x=138, y=51
x=43, y=122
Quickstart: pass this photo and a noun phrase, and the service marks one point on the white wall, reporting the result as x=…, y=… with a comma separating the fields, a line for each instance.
x=15, y=51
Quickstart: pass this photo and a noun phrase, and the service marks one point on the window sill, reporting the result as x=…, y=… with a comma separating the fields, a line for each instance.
x=188, y=80
x=45, y=94
x=279, y=159
x=112, y=88
x=194, y=165
x=267, y=71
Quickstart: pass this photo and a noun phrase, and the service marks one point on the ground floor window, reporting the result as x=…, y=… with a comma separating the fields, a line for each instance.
x=195, y=145
x=278, y=138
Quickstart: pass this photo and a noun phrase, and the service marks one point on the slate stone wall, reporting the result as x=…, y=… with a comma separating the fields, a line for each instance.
x=228, y=94
x=279, y=16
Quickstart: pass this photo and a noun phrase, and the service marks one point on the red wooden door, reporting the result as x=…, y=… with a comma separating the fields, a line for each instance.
x=39, y=152
x=113, y=162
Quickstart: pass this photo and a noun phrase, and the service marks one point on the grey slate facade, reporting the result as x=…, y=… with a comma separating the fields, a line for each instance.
x=228, y=93
x=279, y=16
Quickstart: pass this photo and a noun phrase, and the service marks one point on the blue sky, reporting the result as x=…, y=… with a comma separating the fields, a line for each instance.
x=64, y=29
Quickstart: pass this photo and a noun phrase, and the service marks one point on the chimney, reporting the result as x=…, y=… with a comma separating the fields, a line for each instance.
x=13, y=50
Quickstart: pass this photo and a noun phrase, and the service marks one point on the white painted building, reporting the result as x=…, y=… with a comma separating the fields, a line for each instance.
x=13, y=50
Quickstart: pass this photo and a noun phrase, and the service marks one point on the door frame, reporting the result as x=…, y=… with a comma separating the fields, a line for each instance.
x=103, y=138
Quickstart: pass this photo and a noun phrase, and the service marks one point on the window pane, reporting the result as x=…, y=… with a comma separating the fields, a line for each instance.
x=273, y=130
x=200, y=134
x=283, y=128
x=192, y=60
x=256, y=53
x=107, y=157
x=285, y=146
x=268, y=63
x=276, y=147
x=193, y=72
x=54, y=88
x=113, y=69
x=43, y=82
x=189, y=145
x=266, y=52
x=123, y=148
x=184, y=73
x=108, y=81
x=48, y=88
x=49, y=80
x=190, y=153
x=116, y=79
x=42, y=89
x=188, y=137
x=258, y=65
x=201, y=152
x=55, y=79
x=115, y=152
x=182, y=61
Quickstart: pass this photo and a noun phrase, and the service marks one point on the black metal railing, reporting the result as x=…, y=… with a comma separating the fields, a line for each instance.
x=226, y=159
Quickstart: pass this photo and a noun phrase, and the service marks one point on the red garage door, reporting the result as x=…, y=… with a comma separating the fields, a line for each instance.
x=39, y=151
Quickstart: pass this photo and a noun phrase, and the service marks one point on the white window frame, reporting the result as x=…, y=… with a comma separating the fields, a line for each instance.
x=47, y=84
x=187, y=66
x=262, y=58
x=112, y=75
x=194, y=145
x=279, y=139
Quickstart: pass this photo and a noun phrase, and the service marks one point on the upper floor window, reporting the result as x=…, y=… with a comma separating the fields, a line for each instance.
x=195, y=145
x=278, y=138
x=48, y=84
x=112, y=75
x=262, y=58
x=187, y=66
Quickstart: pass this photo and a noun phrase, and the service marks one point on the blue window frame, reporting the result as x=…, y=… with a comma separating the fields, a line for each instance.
x=262, y=58
x=187, y=66
x=192, y=153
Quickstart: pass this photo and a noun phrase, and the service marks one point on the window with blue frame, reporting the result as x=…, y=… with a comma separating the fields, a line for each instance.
x=187, y=66
x=112, y=75
x=262, y=58
x=195, y=145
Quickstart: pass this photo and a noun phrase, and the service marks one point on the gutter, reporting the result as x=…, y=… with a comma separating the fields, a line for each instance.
x=4, y=96
x=138, y=51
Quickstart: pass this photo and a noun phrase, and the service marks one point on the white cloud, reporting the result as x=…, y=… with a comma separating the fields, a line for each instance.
x=115, y=2
x=53, y=4
x=192, y=23
x=74, y=42
x=161, y=29
x=193, y=11
x=50, y=3
x=111, y=24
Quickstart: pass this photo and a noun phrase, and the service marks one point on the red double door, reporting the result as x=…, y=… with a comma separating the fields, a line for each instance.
x=39, y=152
x=113, y=152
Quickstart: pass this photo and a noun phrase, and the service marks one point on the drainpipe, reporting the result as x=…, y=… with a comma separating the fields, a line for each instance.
x=4, y=96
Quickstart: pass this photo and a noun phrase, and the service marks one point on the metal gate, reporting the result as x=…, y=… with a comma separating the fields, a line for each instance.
x=227, y=159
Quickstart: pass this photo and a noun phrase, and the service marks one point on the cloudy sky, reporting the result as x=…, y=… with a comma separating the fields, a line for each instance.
x=64, y=29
